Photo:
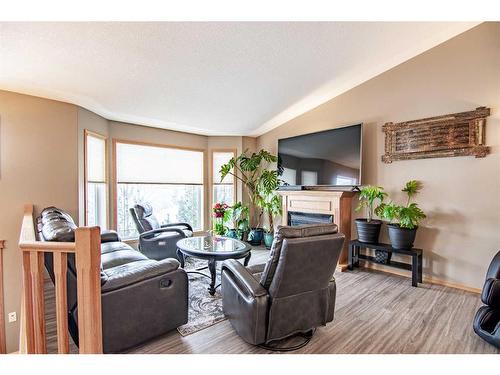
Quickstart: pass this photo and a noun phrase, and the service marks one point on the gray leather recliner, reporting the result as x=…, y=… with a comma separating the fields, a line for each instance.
x=487, y=319
x=294, y=292
x=141, y=298
x=157, y=241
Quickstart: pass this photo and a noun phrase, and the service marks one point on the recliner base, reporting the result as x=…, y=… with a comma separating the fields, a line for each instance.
x=307, y=338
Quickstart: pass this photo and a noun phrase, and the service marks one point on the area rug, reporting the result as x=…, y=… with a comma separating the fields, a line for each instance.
x=204, y=310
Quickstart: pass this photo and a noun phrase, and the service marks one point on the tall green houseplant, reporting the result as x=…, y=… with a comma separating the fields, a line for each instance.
x=254, y=173
x=271, y=206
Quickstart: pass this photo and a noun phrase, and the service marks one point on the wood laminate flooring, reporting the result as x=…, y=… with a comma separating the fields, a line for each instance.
x=375, y=312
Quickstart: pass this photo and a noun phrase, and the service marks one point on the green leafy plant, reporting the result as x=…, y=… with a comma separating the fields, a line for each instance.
x=367, y=197
x=253, y=171
x=271, y=205
x=408, y=216
x=239, y=216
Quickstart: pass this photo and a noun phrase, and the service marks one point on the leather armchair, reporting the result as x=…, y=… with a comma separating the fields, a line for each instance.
x=157, y=241
x=141, y=298
x=294, y=292
x=487, y=320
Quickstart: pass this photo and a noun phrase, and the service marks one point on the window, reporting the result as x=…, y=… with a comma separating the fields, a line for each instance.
x=309, y=178
x=223, y=191
x=96, y=207
x=170, y=179
x=345, y=181
x=289, y=176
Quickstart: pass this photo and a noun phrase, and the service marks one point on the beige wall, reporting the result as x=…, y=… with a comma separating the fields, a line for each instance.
x=460, y=194
x=38, y=164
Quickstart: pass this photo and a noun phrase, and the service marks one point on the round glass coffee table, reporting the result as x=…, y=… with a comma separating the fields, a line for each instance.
x=214, y=249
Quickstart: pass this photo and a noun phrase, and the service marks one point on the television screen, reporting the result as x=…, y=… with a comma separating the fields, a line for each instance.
x=331, y=157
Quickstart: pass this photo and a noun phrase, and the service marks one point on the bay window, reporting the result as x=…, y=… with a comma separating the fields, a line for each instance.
x=223, y=191
x=96, y=208
x=168, y=178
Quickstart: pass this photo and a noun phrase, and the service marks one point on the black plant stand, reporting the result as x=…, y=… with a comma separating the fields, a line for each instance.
x=415, y=267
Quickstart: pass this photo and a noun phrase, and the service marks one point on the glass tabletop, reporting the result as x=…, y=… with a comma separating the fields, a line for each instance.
x=212, y=245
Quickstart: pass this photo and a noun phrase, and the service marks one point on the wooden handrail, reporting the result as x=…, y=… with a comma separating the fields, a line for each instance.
x=87, y=249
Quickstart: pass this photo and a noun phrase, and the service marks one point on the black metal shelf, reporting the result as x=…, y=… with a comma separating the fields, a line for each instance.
x=415, y=266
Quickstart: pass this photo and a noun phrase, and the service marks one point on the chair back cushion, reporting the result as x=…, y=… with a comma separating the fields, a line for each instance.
x=145, y=220
x=282, y=232
x=56, y=225
x=494, y=268
x=490, y=294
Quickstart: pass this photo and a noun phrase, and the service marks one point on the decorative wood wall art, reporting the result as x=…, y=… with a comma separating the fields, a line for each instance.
x=456, y=134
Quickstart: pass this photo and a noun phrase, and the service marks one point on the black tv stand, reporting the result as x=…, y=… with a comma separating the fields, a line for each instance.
x=291, y=188
x=331, y=188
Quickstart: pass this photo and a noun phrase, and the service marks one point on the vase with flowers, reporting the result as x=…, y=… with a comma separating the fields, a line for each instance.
x=220, y=213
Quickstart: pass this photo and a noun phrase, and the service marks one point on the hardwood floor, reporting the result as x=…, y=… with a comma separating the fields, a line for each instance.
x=375, y=312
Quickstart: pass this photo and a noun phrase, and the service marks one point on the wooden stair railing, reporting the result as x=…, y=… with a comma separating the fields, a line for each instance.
x=88, y=262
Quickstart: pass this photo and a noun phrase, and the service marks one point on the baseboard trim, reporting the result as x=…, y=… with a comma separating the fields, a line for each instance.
x=426, y=279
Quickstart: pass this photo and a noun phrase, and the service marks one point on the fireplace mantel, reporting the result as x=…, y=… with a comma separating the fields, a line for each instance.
x=336, y=203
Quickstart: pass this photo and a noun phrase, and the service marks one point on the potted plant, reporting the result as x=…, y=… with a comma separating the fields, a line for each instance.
x=368, y=228
x=403, y=220
x=252, y=170
x=220, y=214
x=238, y=216
x=271, y=205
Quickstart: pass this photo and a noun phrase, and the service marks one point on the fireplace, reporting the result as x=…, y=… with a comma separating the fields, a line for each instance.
x=320, y=206
x=299, y=218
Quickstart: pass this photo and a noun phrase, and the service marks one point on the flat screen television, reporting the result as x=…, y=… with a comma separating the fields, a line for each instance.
x=327, y=158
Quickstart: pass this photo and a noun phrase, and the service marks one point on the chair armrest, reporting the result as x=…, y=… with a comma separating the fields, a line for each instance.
x=243, y=277
x=150, y=234
x=188, y=227
x=109, y=236
x=135, y=272
x=491, y=293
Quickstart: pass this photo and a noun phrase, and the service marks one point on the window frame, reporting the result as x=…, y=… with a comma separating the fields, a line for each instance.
x=234, y=151
x=115, y=141
x=87, y=133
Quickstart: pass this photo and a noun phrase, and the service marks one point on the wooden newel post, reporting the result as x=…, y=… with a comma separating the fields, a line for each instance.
x=88, y=263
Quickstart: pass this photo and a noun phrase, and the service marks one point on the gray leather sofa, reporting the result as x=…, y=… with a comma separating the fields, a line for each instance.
x=157, y=241
x=294, y=292
x=141, y=298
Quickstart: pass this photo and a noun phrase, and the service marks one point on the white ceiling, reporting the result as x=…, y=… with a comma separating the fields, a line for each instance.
x=211, y=78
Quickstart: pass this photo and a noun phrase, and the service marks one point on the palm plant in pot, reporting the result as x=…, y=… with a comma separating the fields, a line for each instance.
x=403, y=219
x=253, y=171
x=368, y=228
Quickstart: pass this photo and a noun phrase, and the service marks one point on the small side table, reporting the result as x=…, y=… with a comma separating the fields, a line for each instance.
x=415, y=266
